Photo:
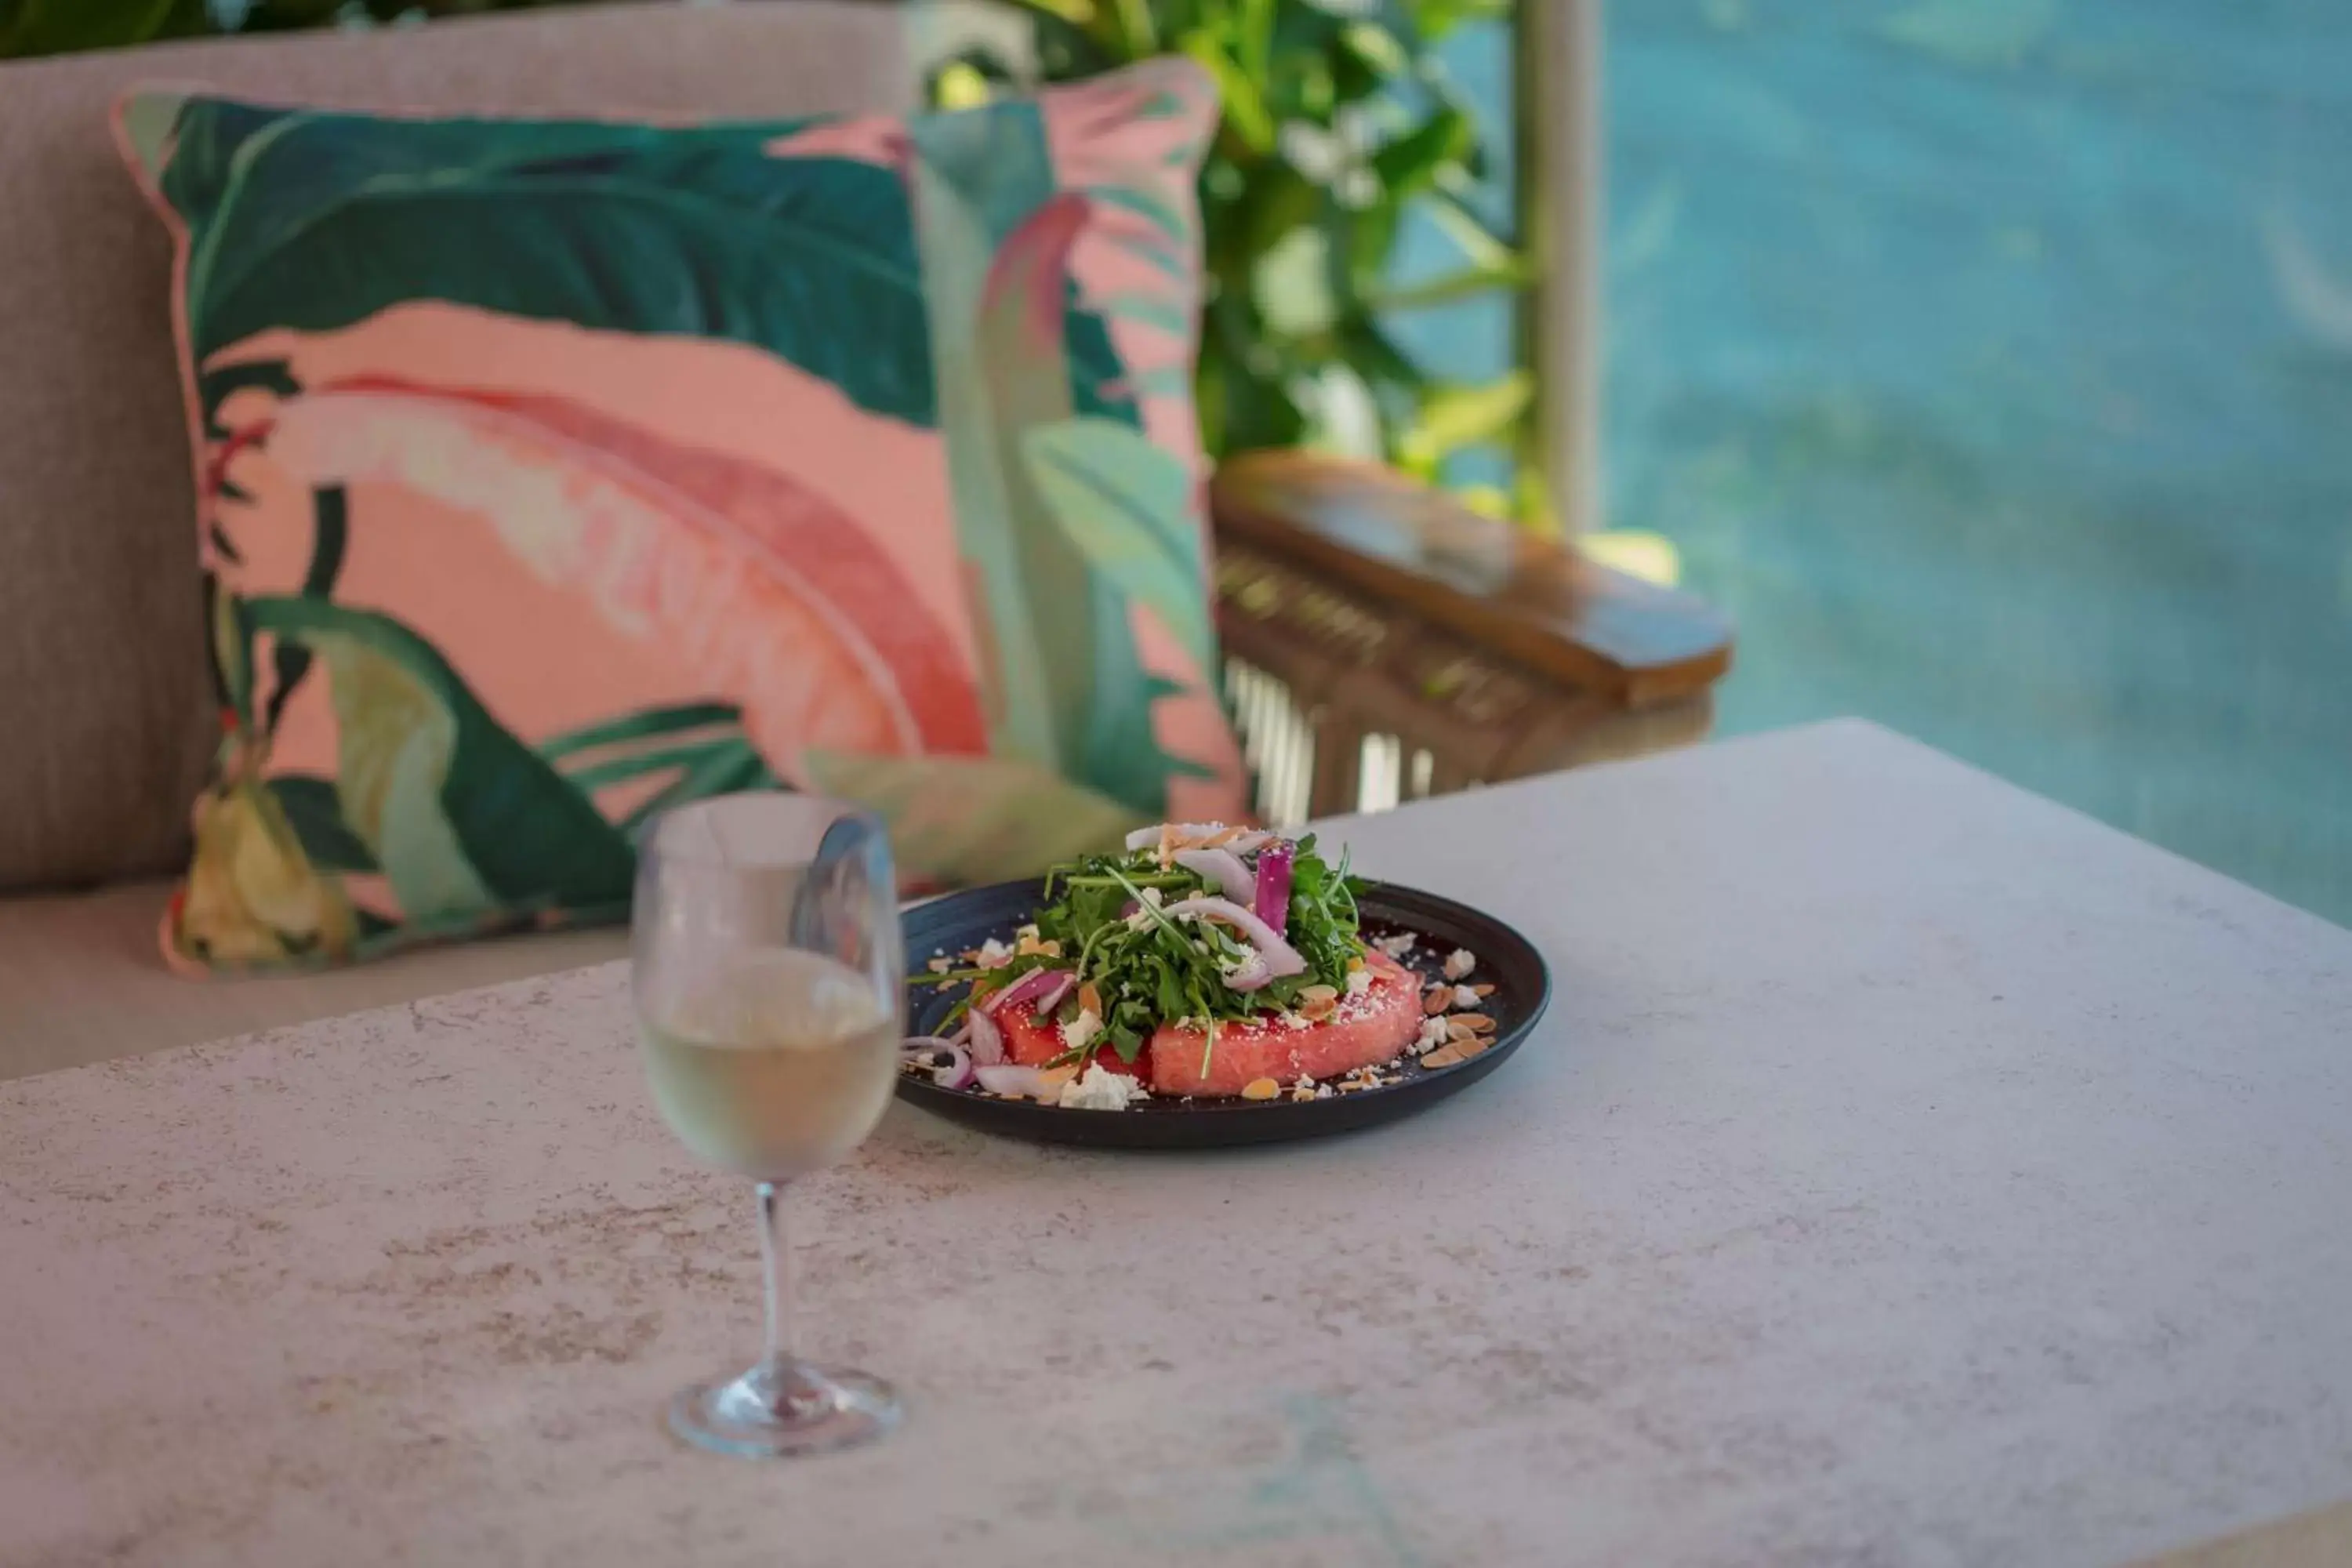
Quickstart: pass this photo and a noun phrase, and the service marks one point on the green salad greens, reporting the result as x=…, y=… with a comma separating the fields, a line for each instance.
x=1107, y=920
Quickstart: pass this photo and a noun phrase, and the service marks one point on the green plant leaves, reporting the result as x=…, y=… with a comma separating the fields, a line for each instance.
x=464, y=818
x=1408, y=164
x=1453, y=416
x=1246, y=114
x=57, y=27
x=1301, y=215
x=1449, y=287
x=1127, y=504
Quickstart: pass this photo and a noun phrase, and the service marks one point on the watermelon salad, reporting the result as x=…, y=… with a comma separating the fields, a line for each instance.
x=1203, y=962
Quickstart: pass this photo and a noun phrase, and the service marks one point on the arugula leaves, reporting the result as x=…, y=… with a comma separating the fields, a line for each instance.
x=1323, y=917
x=1155, y=969
x=1152, y=968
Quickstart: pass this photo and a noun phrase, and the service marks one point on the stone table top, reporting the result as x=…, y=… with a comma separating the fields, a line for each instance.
x=1908, y=1171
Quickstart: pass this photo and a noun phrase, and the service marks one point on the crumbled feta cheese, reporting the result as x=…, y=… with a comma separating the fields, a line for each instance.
x=1099, y=1089
x=1297, y=1020
x=1027, y=932
x=1466, y=999
x=993, y=954
x=1459, y=962
x=1432, y=1035
x=939, y=966
x=1396, y=946
x=1359, y=981
x=1079, y=1031
x=1154, y=897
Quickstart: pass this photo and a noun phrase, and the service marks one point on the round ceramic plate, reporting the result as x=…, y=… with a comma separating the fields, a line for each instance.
x=1507, y=961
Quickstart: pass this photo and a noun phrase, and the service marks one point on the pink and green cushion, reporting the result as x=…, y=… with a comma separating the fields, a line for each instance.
x=555, y=472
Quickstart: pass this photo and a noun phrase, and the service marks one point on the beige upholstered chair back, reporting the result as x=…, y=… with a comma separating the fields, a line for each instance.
x=104, y=727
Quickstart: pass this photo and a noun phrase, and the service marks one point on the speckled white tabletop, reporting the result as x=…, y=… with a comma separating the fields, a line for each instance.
x=1908, y=1171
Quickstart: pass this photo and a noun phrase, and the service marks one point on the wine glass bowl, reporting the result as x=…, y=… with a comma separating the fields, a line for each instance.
x=765, y=968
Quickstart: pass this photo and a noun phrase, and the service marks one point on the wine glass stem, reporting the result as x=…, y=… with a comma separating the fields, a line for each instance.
x=776, y=1253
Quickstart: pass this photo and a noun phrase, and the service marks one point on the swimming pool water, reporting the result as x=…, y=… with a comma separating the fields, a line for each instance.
x=1990, y=360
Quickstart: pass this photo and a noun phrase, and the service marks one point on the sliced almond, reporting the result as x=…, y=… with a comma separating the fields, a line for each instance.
x=1455, y=1029
x=1260, y=1088
x=1482, y=991
x=1439, y=999
x=1478, y=1021
x=1355, y=963
x=1445, y=1057
x=1316, y=1012
x=1090, y=999
x=1319, y=994
x=939, y=966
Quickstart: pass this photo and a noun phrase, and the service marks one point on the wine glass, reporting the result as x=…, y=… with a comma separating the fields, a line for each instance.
x=767, y=964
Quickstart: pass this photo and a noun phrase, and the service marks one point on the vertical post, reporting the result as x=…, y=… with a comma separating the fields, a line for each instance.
x=1558, y=119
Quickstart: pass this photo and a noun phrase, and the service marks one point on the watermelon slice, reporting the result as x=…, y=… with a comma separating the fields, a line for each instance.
x=1367, y=1028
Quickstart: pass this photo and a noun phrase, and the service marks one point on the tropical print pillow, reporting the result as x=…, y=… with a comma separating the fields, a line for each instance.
x=555, y=472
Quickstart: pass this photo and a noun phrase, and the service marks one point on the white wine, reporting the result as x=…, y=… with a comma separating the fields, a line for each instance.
x=771, y=1064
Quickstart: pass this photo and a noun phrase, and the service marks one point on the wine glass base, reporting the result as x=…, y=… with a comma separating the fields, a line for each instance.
x=773, y=1411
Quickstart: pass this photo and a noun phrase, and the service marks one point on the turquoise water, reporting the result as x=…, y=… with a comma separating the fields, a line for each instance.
x=1991, y=362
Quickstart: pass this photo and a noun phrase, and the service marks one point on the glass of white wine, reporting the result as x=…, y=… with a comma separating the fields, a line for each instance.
x=767, y=965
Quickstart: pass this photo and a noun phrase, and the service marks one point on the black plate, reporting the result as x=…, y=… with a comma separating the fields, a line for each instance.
x=1507, y=960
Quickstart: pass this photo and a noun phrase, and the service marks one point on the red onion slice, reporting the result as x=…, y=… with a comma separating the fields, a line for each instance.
x=1005, y=1080
x=1221, y=868
x=1053, y=999
x=955, y=1073
x=1280, y=958
x=1241, y=843
x=1031, y=987
x=987, y=1039
x=1149, y=837
x=1251, y=976
x=1271, y=895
